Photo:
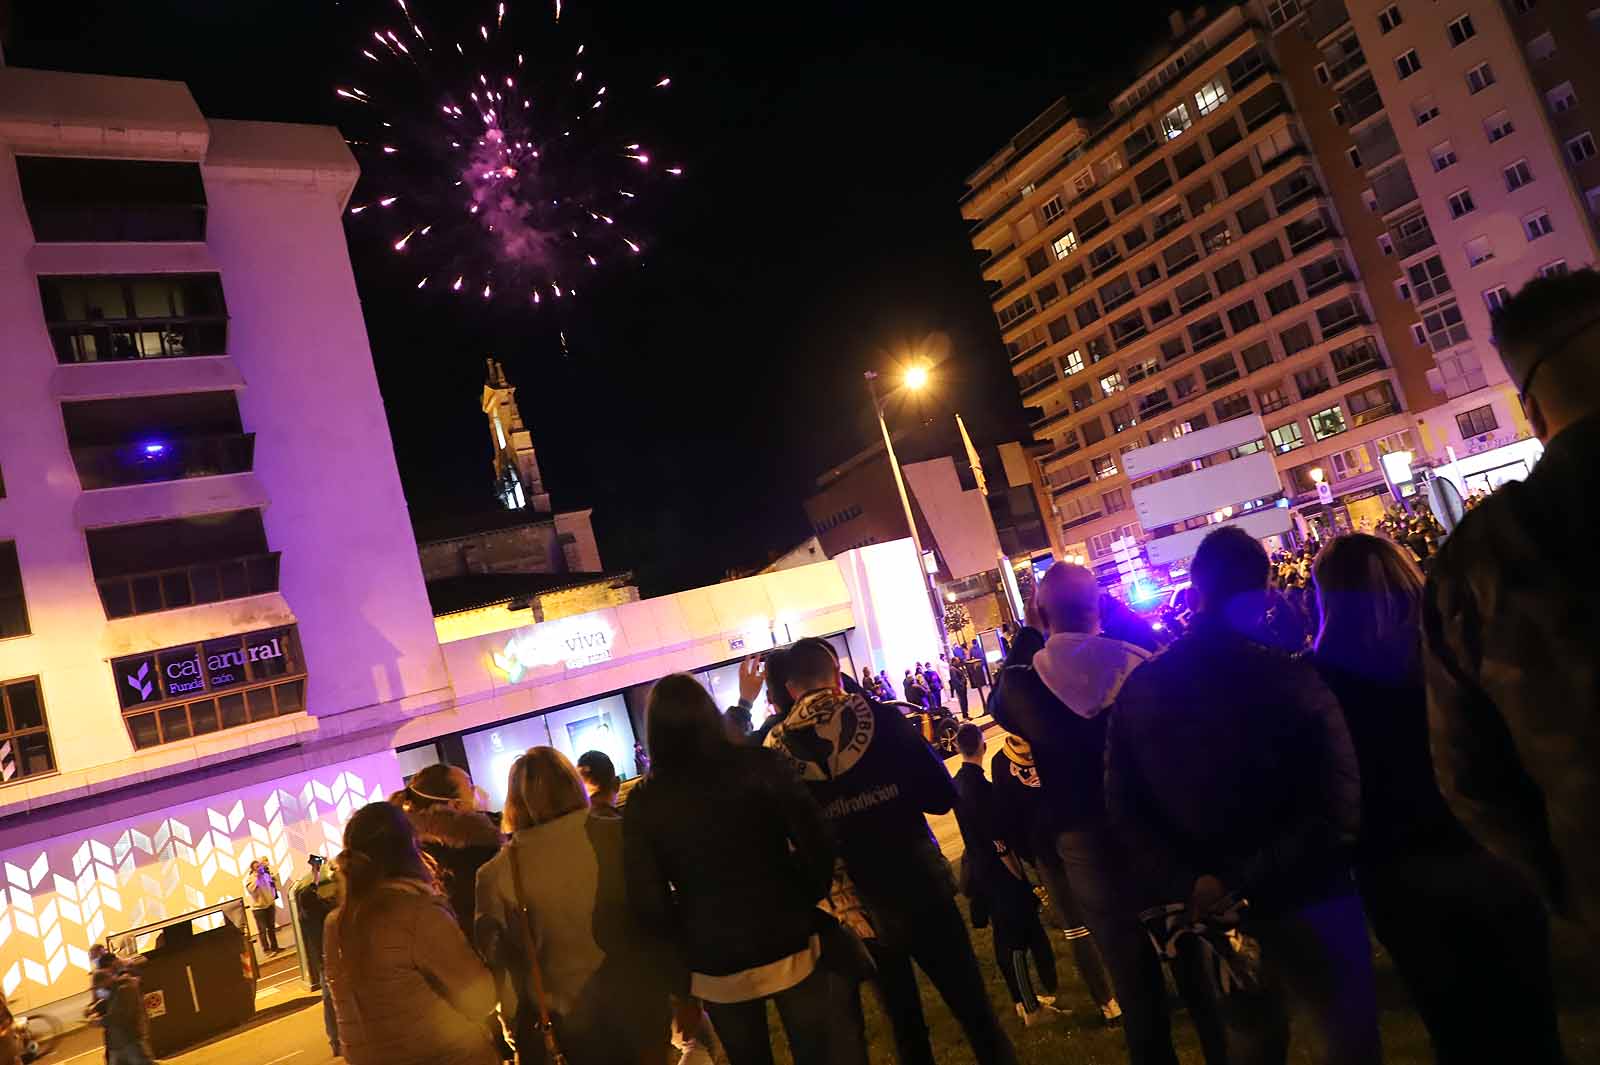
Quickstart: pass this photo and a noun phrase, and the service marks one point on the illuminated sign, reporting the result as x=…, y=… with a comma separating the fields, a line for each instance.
x=179, y=672
x=574, y=642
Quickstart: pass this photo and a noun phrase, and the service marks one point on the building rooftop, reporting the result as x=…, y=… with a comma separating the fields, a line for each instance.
x=437, y=528
x=473, y=591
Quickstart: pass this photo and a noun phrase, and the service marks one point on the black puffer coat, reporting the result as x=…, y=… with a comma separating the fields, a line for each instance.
x=457, y=843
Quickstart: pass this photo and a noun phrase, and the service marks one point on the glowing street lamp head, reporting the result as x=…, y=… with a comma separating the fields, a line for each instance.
x=1317, y=475
x=917, y=378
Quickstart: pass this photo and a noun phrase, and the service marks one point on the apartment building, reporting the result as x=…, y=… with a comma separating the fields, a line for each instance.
x=1478, y=158
x=1179, y=264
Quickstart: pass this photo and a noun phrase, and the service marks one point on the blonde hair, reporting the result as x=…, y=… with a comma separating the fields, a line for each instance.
x=542, y=786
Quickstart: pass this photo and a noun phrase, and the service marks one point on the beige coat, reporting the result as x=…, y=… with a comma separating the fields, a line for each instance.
x=418, y=995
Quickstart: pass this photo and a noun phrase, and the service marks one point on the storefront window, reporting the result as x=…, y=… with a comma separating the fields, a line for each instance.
x=597, y=725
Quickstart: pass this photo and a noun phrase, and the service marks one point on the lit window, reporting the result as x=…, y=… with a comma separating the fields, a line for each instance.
x=1065, y=244
x=1286, y=438
x=1328, y=422
x=1407, y=63
x=1051, y=209
x=1443, y=156
x=1541, y=47
x=1389, y=18
x=1210, y=96
x=1461, y=30
x=1480, y=78
x=1517, y=175
x=1496, y=297
x=1174, y=122
x=1561, y=98
x=1073, y=362
x=1498, y=126
x=1111, y=384
x=1580, y=148
x=1537, y=225
x=1424, y=110
x=1461, y=203
x=1479, y=251
x=1105, y=466
x=1555, y=269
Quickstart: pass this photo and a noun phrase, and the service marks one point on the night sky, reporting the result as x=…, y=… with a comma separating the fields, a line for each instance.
x=816, y=233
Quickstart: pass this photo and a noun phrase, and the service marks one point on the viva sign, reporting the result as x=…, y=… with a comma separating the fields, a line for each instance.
x=573, y=642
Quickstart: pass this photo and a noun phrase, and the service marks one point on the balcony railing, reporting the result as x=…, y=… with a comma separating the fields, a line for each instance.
x=1326, y=280
x=1355, y=360
x=1115, y=300
x=998, y=254
x=202, y=582
x=1294, y=190
x=1313, y=388
x=1307, y=232
x=1154, y=404
x=1372, y=414
x=1169, y=221
x=1411, y=235
x=143, y=338
x=1227, y=377
x=1082, y=519
x=1361, y=101
x=1062, y=452
x=1099, y=265
x=1393, y=188
x=1078, y=481
x=107, y=466
x=1132, y=333
x=1344, y=324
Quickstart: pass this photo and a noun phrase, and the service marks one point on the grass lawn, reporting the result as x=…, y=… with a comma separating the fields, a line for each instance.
x=1081, y=1039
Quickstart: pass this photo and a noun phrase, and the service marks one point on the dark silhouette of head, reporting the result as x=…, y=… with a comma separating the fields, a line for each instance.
x=1548, y=337
x=1229, y=573
x=1369, y=594
x=438, y=785
x=969, y=740
x=810, y=664
x=683, y=728
x=1068, y=600
x=599, y=774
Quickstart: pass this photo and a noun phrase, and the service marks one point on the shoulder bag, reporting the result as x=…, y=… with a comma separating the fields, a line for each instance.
x=552, y=1051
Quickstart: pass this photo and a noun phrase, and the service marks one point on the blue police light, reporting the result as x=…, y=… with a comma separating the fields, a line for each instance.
x=155, y=448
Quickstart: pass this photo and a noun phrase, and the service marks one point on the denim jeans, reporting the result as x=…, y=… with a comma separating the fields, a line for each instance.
x=807, y=1013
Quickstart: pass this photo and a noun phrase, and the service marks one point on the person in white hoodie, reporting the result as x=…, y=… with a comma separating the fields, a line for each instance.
x=1056, y=691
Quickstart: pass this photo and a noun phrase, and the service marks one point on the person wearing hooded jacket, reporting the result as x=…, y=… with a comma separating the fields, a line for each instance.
x=875, y=780
x=1056, y=690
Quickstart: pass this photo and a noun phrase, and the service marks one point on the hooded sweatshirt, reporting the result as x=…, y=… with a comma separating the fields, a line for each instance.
x=875, y=779
x=1055, y=694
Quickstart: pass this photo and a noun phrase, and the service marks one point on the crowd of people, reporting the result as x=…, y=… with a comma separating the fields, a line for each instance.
x=1238, y=809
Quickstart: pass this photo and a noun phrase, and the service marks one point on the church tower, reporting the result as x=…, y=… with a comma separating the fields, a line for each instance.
x=516, y=468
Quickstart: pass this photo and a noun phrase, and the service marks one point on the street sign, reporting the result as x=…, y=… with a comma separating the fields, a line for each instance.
x=1324, y=492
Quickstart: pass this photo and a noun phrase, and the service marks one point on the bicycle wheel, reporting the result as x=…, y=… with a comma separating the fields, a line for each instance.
x=44, y=1032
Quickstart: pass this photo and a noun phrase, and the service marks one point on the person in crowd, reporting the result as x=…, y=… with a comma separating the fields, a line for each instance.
x=977, y=671
x=261, y=892
x=875, y=779
x=600, y=780
x=1445, y=909
x=407, y=987
x=1007, y=631
x=1022, y=825
x=997, y=885
x=935, y=683
x=1511, y=627
x=116, y=1003
x=727, y=857
x=1056, y=691
x=916, y=691
x=869, y=682
x=561, y=880
x=957, y=668
x=1231, y=775
x=778, y=702
x=885, y=687
x=454, y=835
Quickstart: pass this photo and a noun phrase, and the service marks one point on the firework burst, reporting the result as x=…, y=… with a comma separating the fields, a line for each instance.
x=493, y=152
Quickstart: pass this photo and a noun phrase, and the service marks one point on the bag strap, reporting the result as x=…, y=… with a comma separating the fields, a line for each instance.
x=553, y=1053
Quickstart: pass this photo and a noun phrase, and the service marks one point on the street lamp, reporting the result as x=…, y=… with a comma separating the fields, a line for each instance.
x=916, y=378
x=1317, y=475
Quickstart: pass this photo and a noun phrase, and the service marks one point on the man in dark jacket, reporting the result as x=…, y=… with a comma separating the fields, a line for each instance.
x=1056, y=693
x=958, y=680
x=875, y=780
x=1230, y=774
x=1510, y=623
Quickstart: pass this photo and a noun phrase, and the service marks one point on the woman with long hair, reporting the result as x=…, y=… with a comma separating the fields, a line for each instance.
x=407, y=988
x=455, y=836
x=602, y=983
x=1467, y=933
x=727, y=857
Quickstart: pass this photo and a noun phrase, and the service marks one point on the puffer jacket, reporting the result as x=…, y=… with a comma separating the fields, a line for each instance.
x=1229, y=758
x=1055, y=693
x=413, y=992
x=1511, y=628
x=457, y=842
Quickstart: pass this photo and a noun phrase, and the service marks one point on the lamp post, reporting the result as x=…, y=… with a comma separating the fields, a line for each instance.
x=916, y=378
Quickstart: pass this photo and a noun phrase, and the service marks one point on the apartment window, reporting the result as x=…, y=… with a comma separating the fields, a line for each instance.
x=1111, y=384
x=1122, y=417
x=1385, y=245
x=1407, y=63
x=1479, y=251
x=1286, y=438
x=1496, y=297
x=1418, y=334
x=1105, y=466
x=1369, y=199
x=1338, y=115
x=1328, y=423
x=13, y=606
x=1275, y=144
x=1219, y=371
x=1296, y=339
x=1354, y=155
x=1352, y=463
x=1257, y=356
x=1477, y=421
x=1312, y=381
x=1371, y=403
x=1442, y=156
x=1402, y=289
x=1561, y=98
x=1272, y=398
x=1229, y=276
x=1072, y=362
x=1085, y=313
x=1047, y=293
x=1555, y=269
x=1498, y=126
x=1051, y=209
x=93, y=319
x=1461, y=30
x=1147, y=275
x=1424, y=110
x=1016, y=311
x=164, y=565
x=1389, y=18
x=1444, y=327
x=1074, y=279
x=1037, y=261
x=1084, y=181
x=1537, y=225
x=1281, y=297
x=1321, y=70
x=1114, y=501
x=1184, y=387
x=1243, y=316
x=1192, y=293
x=1428, y=279
x=1461, y=372
x=1230, y=407
x=1253, y=215
x=72, y=199
x=1210, y=96
x=1138, y=371
x=1517, y=175
x=1173, y=348
x=1060, y=329
x=1064, y=245
x=1279, y=12
x=1216, y=237
x=1081, y=398
x=1580, y=148
x=25, y=749
x=1479, y=78
x=1541, y=47
x=1461, y=203
x=1175, y=121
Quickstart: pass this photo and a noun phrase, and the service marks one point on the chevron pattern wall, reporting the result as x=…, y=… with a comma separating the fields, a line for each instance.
x=58, y=897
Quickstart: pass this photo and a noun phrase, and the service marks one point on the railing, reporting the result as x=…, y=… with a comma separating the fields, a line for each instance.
x=1275, y=405
x=1198, y=299
x=1355, y=360
x=1313, y=388
x=1263, y=107
x=1062, y=452
x=1109, y=303
x=1372, y=414
x=1327, y=280
x=1082, y=519
x=1156, y=405
x=138, y=338
x=106, y=466
x=1129, y=335
x=996, y=255
x=1077, y=482
x=1361, y=101
x=1393, y=188
x=201, y=582
x=1322, y=18
x=1169, y=221
x=1347, y=66
x=1409, y=244
x=1105, y=262
x=1025, y=352
x=1227, y=377
x=1007, y=289
x=1343, y=325
x=1298, y=188
x=1200, y=343
x=1307, y=232
x=1085, y=232
x=1040, y=385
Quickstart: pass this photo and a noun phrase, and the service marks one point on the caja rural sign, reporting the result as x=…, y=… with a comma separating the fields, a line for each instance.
x=191, y=669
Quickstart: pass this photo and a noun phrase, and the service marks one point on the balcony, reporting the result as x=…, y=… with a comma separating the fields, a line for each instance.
x=1393, y=188
x=1342, y=324
x=996, y=255
x=1155, y=403
x=1168, y=221
x=1227, y=377
x=206, y=582
x=1104, y=258
x=1322, y=17
x=1307, y=232
x=1073, y=479
x=1294, y=189
x=110, y=466
x=1361, y=101
x=1323, y=276
x=1205, y=338
x=1006, y=289
x=1128, y=330
x=1263, y=107
x=1411, y=235
x=1347, y=64
x=1072, y=447
x=1313, y=387
x=1082, y=519
x=1354, y=360
x=1377, y=144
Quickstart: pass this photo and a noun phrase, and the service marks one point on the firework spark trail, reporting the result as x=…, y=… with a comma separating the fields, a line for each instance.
x=492, y=163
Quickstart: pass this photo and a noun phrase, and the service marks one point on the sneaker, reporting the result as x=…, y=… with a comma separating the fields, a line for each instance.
x=1043, y=1015
x=1111, y=1012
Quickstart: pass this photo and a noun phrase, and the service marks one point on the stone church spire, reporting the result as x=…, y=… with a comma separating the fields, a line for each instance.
x=516, y=467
